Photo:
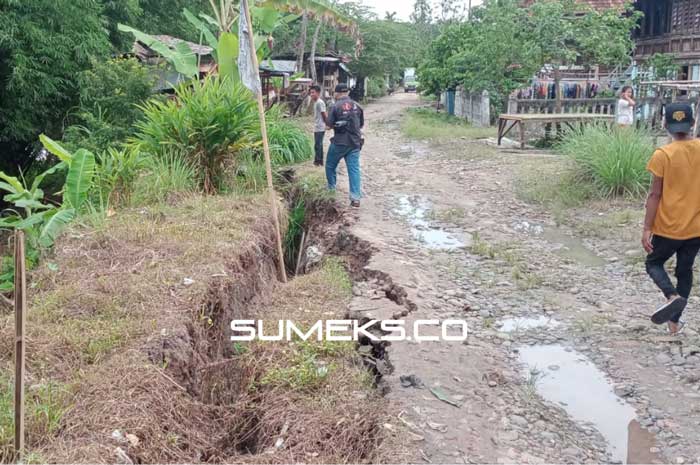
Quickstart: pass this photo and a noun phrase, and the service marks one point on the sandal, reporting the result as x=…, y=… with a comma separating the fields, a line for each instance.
x=669, y=310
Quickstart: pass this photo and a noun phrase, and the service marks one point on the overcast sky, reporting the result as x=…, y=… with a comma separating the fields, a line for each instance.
x=402, y=7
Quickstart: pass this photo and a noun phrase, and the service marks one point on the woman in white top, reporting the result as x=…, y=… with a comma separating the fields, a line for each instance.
x=625, y=107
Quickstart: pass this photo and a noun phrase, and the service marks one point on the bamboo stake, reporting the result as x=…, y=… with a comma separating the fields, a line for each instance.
x=266, y=145
x=301, y=253
x=20, y=307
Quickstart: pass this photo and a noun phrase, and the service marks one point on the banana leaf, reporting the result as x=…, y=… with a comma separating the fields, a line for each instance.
x=56, y=148
x=55, y=222
x=228, y=54
x=203, y=28
x=79, y=179
x=13, y=185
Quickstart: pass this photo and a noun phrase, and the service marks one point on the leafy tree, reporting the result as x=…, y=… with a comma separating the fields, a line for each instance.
x=389, y=48
x=504, y=44
x=163, y=17
x=390, y=16
x=663, y=65
x=422, y=12
x=565, y=32
x=120, y=11
x=450, y=10
x=44, y=45
x=110, y=95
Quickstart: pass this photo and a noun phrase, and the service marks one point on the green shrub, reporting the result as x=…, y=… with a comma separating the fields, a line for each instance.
x=110, y=93
x=376, y=88
x=210, y=122
x=612, y=160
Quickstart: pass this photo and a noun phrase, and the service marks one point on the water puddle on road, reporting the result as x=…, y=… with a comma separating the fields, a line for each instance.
x=572, y=248
x=510, y=325
x=568, y=378
x=415, y=210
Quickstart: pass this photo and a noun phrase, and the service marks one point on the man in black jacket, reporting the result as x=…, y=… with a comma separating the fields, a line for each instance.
x=347, y=119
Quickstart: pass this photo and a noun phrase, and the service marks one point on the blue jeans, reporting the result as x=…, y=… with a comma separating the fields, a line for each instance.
x=352, y=161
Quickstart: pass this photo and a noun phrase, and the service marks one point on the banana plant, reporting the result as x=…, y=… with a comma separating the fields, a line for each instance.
x=44, y=221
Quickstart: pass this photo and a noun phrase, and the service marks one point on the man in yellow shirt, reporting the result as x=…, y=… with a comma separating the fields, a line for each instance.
x=672, y=222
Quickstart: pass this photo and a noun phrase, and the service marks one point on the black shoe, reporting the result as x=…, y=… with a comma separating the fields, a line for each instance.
x=318, y=163
x=355, y=204
x=669, y=310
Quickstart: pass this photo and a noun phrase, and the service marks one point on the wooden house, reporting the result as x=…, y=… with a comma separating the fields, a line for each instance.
x=671, y=26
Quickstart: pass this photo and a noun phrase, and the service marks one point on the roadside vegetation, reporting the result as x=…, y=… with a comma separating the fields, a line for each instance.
x=612, y=160
x=427, y=124
x=597, y=164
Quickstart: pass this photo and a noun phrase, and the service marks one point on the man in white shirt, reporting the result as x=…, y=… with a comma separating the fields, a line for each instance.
x=320, y=123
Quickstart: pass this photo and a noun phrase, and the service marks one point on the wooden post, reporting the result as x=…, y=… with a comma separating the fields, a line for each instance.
x=266, y=147
x=557, y=80
x=697, y=119
x=20, y=318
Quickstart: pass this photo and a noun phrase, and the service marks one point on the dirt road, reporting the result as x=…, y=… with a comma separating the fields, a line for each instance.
x=561, y=364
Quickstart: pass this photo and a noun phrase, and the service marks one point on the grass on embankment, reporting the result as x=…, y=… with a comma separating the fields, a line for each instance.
x=427, y=124
x=109, y=345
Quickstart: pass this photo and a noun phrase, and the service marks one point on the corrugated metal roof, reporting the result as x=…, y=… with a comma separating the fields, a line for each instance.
x=196, y=48
x=286, y=66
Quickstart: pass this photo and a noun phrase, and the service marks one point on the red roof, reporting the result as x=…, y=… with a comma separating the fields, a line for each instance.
x=597, y=4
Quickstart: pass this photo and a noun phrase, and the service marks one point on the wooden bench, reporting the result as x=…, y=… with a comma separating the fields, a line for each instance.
x=550, y=118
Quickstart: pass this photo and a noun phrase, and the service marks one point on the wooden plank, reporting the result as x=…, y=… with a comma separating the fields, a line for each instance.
x=558, y=117
x=20, y=319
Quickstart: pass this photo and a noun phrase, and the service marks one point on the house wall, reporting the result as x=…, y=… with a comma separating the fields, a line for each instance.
x=670, y=26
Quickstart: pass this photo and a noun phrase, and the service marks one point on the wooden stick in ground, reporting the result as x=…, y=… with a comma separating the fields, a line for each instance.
x=266, y=146
x=301, y=253
x=20, y=309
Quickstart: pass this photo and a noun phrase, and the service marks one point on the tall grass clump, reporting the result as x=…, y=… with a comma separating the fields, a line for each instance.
x=210, y=122
x=612, y=160
x=289, y=144
x=295, y=229
x=170, y=174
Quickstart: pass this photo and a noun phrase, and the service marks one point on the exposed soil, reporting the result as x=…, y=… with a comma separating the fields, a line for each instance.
x=130, y=330
x=448, y=227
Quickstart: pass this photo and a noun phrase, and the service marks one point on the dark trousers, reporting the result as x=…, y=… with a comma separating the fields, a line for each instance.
x=685, y=252
x=318, y=147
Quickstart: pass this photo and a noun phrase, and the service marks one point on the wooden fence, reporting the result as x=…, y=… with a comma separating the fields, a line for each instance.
x=595, y=106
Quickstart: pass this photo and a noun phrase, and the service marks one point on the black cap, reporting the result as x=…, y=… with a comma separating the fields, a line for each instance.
x=342, y=88
x=679, y=118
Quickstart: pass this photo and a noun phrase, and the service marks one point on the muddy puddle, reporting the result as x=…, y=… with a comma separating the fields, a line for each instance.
x=562, y=244
x=567, y=378
x=510, y=325
x=415, y=210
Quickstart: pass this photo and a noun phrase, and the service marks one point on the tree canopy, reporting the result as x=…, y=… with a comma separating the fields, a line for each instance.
x=504, y=44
